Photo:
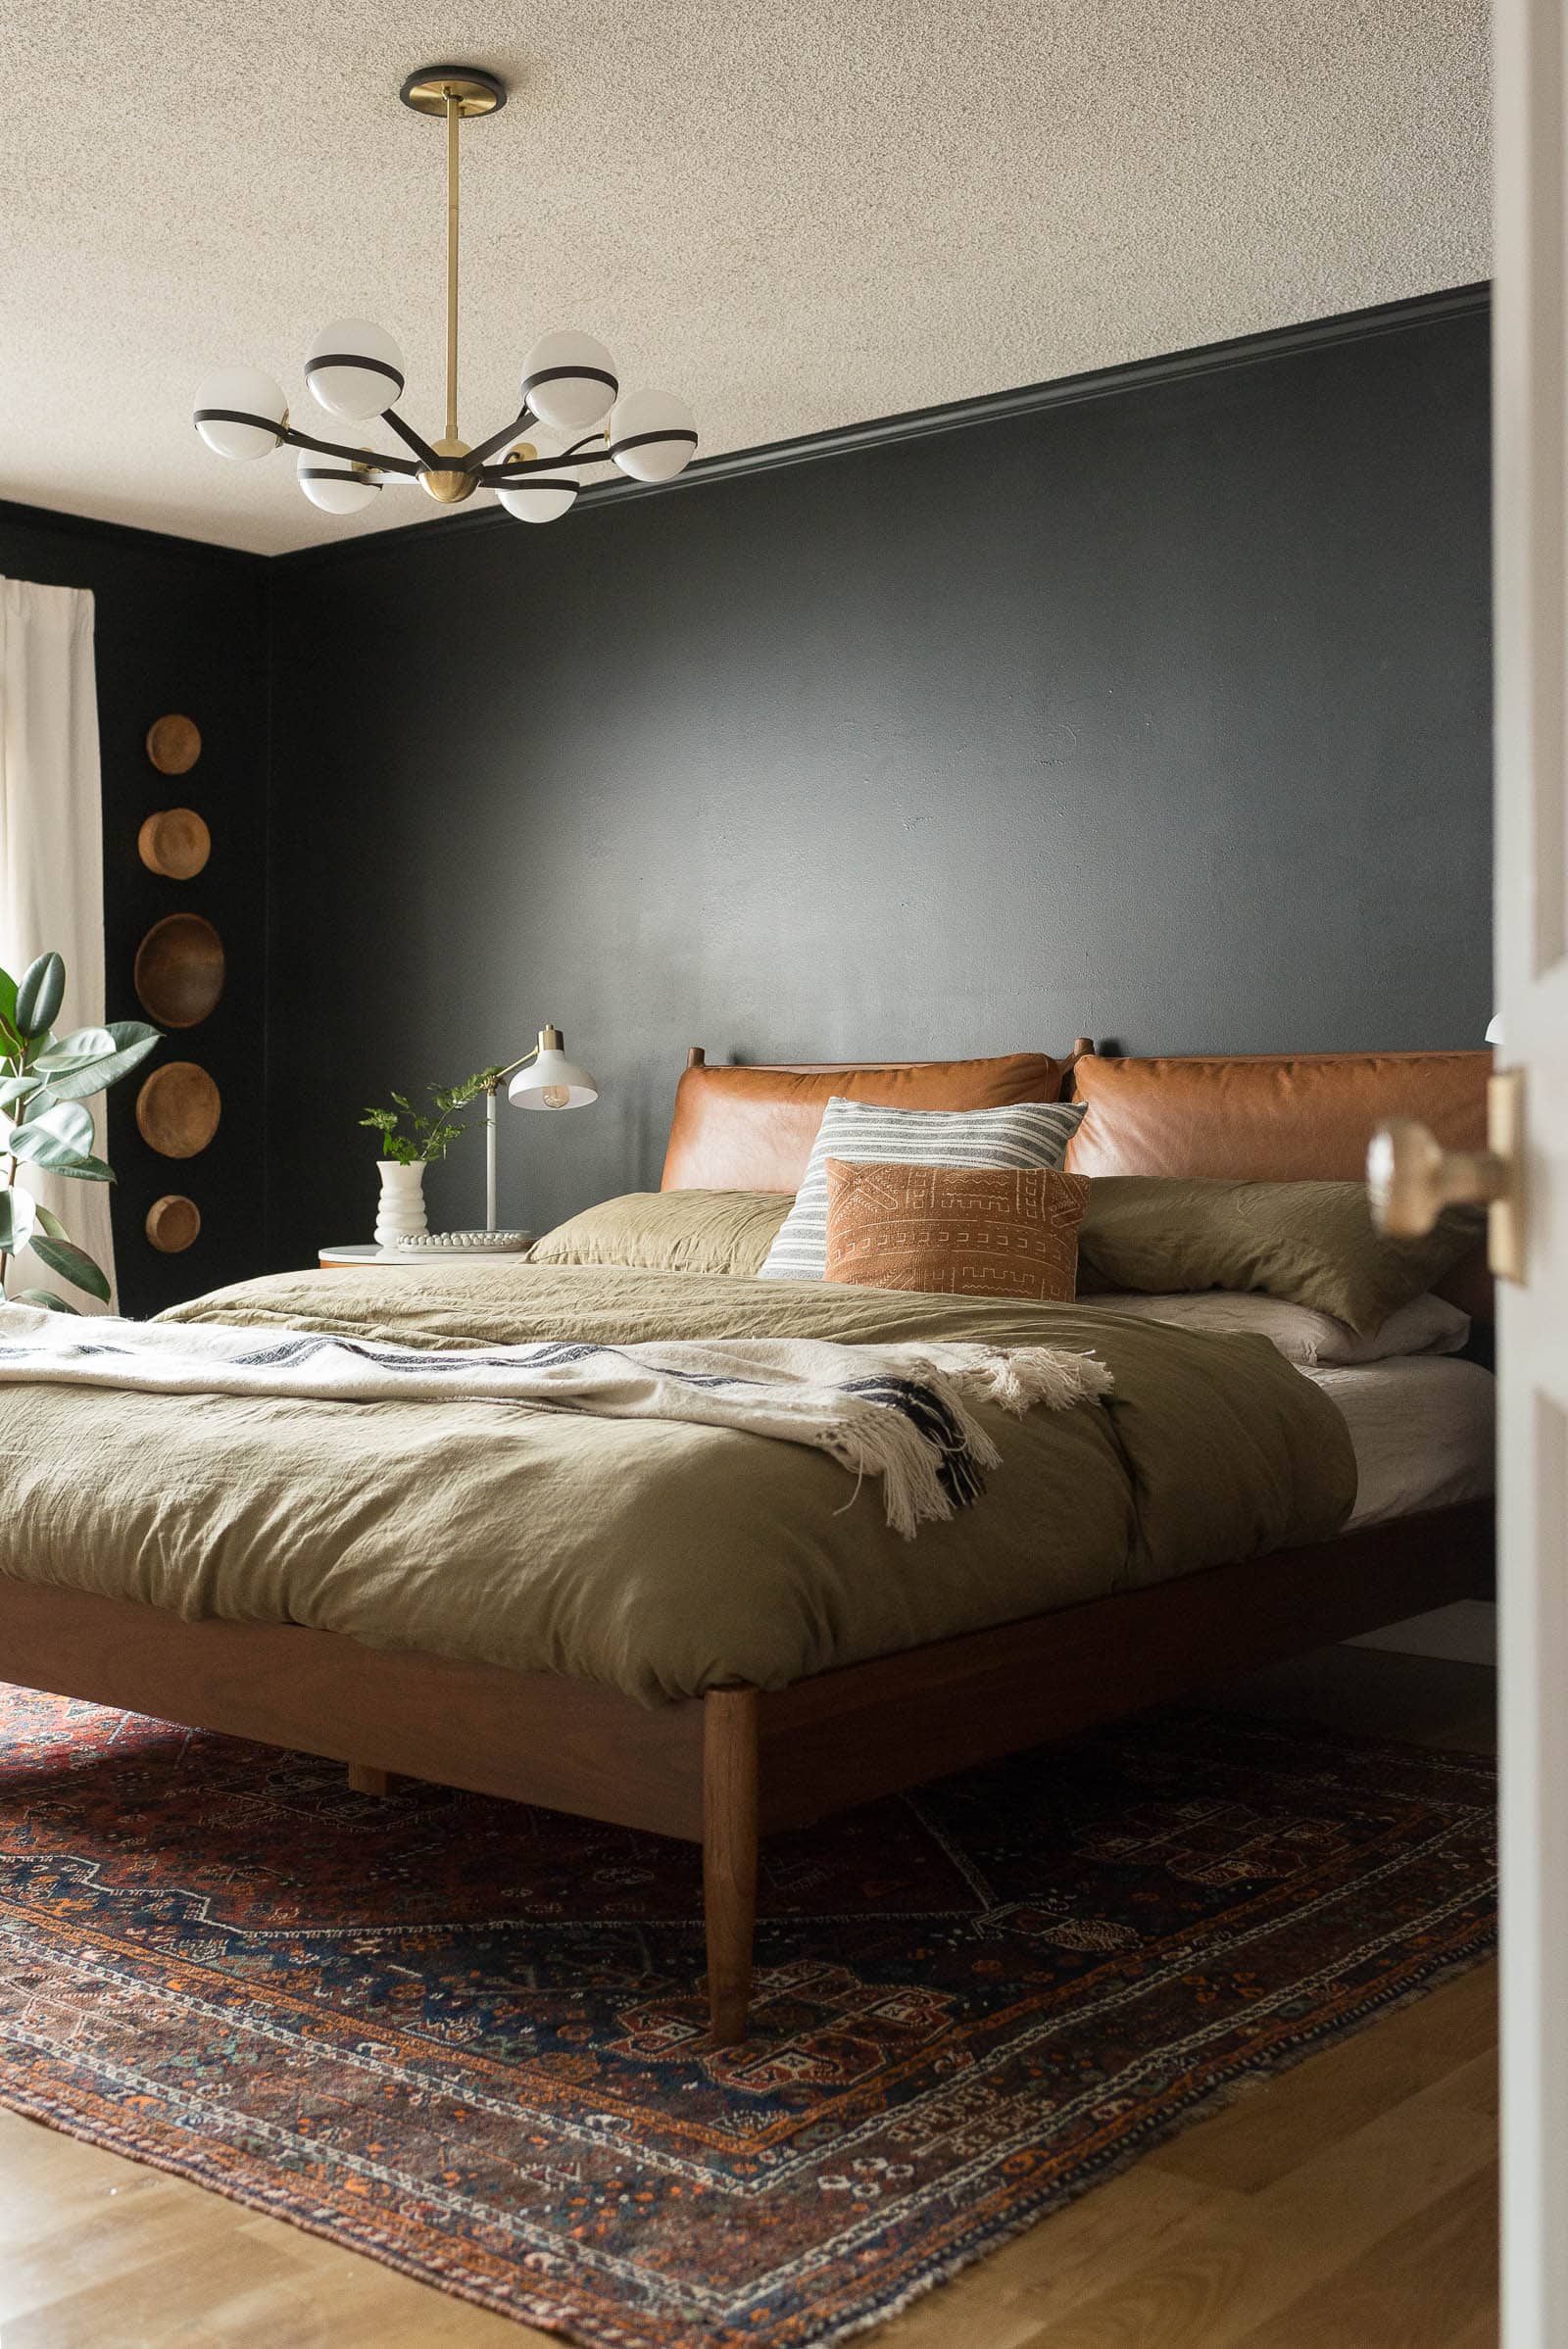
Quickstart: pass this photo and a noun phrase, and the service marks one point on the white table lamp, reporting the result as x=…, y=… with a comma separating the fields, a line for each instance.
x=543, y=1079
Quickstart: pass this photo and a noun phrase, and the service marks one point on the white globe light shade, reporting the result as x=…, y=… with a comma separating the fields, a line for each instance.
x=353, y=369
x=247, y=392
x=652, y=435
x=333, y=485
x=543, y=496
x=551, y=1082
x=568, y=381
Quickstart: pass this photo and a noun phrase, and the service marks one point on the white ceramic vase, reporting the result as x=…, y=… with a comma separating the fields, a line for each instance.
x=401, y=1211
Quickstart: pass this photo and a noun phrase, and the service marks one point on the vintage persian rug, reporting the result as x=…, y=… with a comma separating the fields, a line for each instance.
x=468, y=2039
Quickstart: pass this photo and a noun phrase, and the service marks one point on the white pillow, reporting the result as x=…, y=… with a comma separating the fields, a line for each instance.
x=864, y=1133
x=1428, y=1325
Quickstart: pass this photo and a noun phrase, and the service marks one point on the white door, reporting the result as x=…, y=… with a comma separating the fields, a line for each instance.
x=1530, y=445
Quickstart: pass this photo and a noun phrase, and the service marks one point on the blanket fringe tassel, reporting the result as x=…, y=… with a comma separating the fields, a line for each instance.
x=871, y=1440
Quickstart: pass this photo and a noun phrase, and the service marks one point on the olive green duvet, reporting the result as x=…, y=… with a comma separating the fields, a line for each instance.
x=665, y=1558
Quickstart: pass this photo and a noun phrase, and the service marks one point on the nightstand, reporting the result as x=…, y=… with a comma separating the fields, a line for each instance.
x=333, y=1258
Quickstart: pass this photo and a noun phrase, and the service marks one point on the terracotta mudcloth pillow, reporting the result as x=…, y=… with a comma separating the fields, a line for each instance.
x=964, y=1231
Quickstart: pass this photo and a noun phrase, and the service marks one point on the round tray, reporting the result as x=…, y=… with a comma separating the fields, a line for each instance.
x=173, y=1223
x=179, y=970
x=175, y=843
x=174, y=744
x=177, y=1109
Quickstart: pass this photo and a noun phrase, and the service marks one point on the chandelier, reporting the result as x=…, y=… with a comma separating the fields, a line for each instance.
x=571, y=410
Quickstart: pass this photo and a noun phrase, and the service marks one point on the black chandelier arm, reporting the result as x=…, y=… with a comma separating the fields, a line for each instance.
x=371, y=459
x=429, y=459
x=502, y=476
x=506, y=476
x=474, y=461
x=476, y=458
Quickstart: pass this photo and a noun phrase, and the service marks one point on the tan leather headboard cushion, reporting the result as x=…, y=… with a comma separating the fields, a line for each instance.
x=1278, y=1119
x=752, y=1129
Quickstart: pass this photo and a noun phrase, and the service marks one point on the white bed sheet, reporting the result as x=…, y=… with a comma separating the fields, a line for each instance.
x=1423, y=1428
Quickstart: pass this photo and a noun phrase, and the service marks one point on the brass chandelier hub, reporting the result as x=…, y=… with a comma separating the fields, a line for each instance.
x=448, y=484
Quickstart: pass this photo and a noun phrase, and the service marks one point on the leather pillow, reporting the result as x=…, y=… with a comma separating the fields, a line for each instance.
x=1313, y=1243
x=963, y=1231
x=752, y=1129
x=1269, y=1117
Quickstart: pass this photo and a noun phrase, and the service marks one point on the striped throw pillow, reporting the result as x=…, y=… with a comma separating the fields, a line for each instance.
x=862, y=1134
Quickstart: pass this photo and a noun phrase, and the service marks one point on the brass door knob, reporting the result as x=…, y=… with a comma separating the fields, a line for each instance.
x=1411, y=1178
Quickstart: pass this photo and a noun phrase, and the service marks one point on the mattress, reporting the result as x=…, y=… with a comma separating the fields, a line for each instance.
x=1422, y=1427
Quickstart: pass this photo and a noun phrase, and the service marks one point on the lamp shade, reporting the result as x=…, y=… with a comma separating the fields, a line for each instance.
x=550, y=1080
x=240, y=413
x=355, y=368
x=652, y=435
x=552, y=1083
x=541, y=496
x=336, y=484
x=568, y=381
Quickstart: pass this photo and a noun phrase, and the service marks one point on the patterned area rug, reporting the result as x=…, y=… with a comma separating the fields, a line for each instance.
x=468, y=2039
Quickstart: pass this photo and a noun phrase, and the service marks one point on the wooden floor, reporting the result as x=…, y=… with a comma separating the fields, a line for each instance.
x=1347, y=2205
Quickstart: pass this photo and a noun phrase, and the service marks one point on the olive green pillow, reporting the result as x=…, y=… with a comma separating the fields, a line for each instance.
x=670, y=1231
x=1311, y=1242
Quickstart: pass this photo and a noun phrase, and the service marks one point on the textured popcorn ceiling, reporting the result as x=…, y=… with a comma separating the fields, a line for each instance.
x=796, y=216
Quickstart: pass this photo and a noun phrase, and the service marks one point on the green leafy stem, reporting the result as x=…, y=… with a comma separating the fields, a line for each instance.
x=409, y=1136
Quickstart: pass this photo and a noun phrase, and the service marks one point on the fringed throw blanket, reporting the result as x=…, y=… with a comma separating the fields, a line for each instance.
x=900, y=1412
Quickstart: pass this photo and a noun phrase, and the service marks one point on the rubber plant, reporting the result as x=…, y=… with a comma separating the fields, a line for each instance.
x=45, y=1082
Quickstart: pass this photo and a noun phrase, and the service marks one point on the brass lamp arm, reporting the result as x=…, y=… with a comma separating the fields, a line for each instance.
x=502, y=1074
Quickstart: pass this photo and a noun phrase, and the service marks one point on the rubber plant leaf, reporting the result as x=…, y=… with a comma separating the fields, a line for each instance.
x=79, y=1050
x=40, y=990
x=68, y=1121
x=42, y=1297
x=18, y=1215
x=73, y=1263
x=41, y=1148
x=132, y=1042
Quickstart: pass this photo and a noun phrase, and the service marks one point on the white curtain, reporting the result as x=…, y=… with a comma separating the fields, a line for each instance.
x=51, y=857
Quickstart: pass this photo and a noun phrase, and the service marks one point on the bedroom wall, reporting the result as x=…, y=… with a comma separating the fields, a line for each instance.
x=1159, y=712
x=177, y=626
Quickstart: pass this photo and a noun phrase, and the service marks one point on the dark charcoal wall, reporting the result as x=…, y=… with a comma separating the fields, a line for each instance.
x=1162, y=714
x=177, y=626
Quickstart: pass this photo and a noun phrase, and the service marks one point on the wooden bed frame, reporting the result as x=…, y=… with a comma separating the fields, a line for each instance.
x=723, y=1769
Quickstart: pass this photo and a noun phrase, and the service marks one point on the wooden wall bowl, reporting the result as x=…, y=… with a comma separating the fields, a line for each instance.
x=177, y=1109
x=175, y=843
x=174, y=745
x=179, y=970
x=173, y=1223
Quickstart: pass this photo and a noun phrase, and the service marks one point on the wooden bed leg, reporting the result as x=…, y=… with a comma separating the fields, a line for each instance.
x=729, y=1855
x=367, y=1780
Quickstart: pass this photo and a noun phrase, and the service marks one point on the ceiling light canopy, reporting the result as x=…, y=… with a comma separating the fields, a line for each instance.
x=571, y=410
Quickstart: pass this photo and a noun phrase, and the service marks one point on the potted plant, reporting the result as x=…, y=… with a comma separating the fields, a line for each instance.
x=45, y=1082
x=411, y=1142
